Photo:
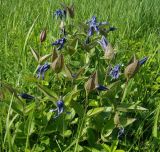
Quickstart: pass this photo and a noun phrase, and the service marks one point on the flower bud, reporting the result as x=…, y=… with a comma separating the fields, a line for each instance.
x=62, y=25
x=132, y=68
x=92, y=82
x=71, y=11
x=54, y=55
x=58, y=64
x=43, y=36
x=109, y=52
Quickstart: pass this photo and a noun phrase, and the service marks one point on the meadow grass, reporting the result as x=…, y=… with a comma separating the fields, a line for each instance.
x=138, y=32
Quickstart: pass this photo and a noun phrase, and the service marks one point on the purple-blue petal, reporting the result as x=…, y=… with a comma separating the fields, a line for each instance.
x=60, y=108
x=103, y=42
x=120, y=132
x=90, y=31
x=60, y=43
x=60, y=103
x=112, y=28
x=26, y=96
x=142, y=61
x=114, y=73
x=94, y=26
x=42, y=69
x=101, y=88
x=60, y=13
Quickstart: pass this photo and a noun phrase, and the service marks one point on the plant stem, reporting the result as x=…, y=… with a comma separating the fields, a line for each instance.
x=124, y=92
x=82, y=123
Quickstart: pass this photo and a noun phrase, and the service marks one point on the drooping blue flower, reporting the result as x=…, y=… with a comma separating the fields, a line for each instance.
x=112, y=28
x=60, y=43
x=42, y=69
x=59, y=109
x=142, y=61
x=103, y=42
x=120, y=132
x=94, y=26
x=26, y=96
x=114, y=73
x=101, y=88
x=60, y=13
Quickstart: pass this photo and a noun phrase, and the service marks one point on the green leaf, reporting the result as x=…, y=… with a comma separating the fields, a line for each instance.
x=114, y=146
x=47, y=92
x=106, y=148
x=108, y=109
x=136, y=107
x=45, y=83
x=45, y=140
x=67, y=133
x=95, y=111
x=83, y=26
x=70, y=96
x=93, y=103
x=71, y=50
x=127, y=89
x=12, y=91
x=78, y=108
x=91, y=136
x=129, y=107
x=90, y=149
x=80, y=71
x=29, y=107
x=44, y=58
x=18, y=108
x=126, y=121
x=68, y=72
x=29, y=124
x=155, y=126
x=108, y=128
x=35, y=54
